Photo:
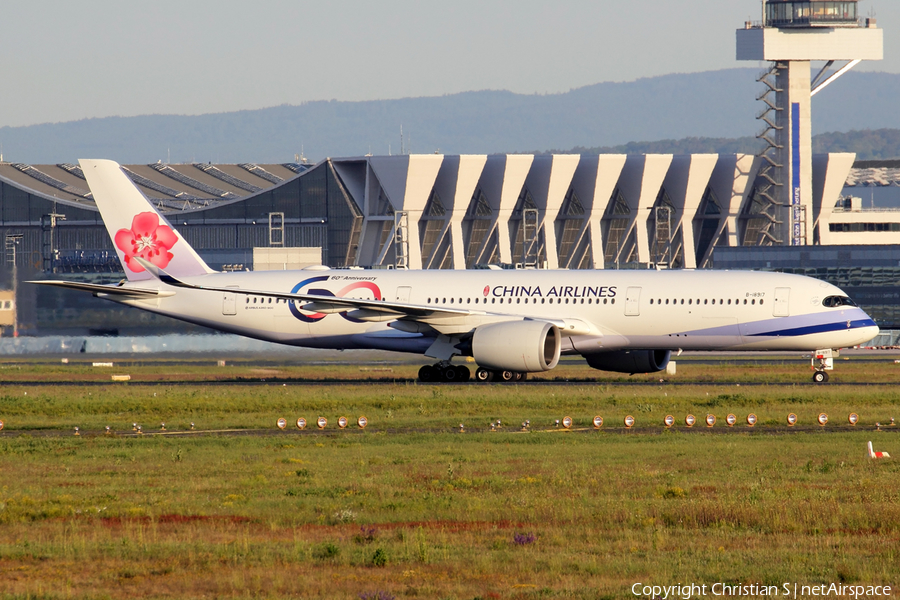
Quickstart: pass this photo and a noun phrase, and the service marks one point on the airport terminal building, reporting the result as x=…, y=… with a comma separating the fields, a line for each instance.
x=440, y=212
x=456, y=212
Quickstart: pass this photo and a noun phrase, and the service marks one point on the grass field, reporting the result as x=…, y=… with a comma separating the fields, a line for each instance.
x=412, y=508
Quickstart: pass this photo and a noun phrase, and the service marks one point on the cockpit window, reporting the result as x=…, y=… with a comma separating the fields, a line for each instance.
x=835, y=301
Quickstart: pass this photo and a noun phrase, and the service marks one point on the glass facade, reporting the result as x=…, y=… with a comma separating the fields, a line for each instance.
x=617, y=249
x=573, y=246
x=317, y=210
x=869, y=274
x=794, y=13
x=478, y=232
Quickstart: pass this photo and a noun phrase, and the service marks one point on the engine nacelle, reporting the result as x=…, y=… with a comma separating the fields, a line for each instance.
x=523, y=346
x=630, y=361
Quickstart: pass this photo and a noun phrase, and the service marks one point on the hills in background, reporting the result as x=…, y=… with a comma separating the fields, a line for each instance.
x=698, y=112
x=867, y=144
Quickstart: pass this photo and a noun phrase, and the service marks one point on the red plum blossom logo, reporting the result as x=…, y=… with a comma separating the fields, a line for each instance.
x=148, y=240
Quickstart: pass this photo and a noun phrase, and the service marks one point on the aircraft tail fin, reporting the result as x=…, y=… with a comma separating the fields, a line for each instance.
x=136, y=227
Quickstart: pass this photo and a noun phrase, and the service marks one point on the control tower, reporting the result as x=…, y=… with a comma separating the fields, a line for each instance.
x=791, y=35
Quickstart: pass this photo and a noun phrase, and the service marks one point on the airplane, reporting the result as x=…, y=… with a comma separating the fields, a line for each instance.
x=512, y=322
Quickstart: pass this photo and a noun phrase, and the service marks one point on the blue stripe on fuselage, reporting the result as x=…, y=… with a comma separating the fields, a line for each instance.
x=822, y=328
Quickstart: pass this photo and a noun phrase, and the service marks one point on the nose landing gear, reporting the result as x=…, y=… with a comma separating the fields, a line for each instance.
x=822, y=362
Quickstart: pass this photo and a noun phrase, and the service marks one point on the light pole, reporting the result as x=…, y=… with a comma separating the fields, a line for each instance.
x=12, y=242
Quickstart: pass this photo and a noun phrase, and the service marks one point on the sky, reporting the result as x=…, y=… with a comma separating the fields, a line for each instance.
x=65, y=61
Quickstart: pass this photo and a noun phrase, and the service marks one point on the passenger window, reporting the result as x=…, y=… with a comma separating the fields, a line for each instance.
x=729, y=301
x=705, y=302
x=613, y=301
x=689, y=300
x=651, y=300
x=753, y=301
x=745, y=301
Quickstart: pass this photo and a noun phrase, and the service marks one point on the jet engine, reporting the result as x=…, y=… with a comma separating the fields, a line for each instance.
x=630, y=361
x=520, y=346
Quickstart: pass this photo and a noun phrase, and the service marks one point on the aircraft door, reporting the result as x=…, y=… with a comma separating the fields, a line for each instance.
x=633, y=302
x=229, y=303
x=403, y=293
x=782, y=302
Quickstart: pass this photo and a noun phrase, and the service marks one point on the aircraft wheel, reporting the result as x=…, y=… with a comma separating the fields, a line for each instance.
x=506, y=375
x=462, y=373
x=482, y=374
x=449, y=374
x=427, y=373
x=820, y=376
x=519, y=376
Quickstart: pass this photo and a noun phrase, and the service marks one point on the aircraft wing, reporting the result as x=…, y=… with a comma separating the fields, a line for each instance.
x=111, y=290
x=441, y=318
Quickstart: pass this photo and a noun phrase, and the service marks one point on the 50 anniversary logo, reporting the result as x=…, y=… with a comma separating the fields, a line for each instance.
x=376, y=291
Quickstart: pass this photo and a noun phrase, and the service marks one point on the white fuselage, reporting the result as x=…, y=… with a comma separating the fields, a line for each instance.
x=665, y=310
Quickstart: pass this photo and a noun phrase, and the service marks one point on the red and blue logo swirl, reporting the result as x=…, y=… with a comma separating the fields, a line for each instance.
x=342, y=293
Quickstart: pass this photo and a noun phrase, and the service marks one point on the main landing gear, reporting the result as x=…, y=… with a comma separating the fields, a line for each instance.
x=444, y=372
x=460, y=374
x=483, y=374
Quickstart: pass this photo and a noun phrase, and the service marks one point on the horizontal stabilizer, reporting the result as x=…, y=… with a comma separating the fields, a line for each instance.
x=111, y=290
